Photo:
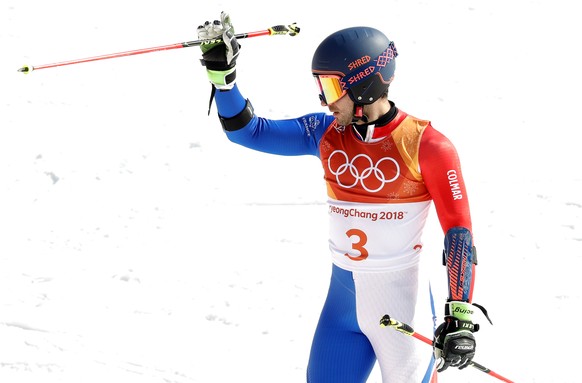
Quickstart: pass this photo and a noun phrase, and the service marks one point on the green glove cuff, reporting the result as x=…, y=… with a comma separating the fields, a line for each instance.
x=222, y=79
x=460, y=310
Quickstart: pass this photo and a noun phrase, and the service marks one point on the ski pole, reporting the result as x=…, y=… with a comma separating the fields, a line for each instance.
x=406, y=329
x=291, y=30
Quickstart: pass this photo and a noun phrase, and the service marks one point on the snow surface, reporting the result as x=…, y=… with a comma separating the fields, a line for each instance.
x=139, y=245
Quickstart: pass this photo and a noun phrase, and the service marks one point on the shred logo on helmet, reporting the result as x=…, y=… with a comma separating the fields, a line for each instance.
x=359, y=61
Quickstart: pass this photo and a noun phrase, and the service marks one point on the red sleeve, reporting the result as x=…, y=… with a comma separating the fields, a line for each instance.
x=441, y=171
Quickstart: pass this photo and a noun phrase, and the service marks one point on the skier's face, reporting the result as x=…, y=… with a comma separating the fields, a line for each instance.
x=342, y=109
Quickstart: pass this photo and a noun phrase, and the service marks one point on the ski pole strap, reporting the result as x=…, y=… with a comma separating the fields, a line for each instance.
x=212, y=93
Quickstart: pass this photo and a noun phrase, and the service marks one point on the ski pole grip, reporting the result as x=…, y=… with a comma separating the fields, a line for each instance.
x=403, y=327
x=291, y=30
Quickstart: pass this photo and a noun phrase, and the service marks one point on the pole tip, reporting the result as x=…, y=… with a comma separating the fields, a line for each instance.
x=26, y=69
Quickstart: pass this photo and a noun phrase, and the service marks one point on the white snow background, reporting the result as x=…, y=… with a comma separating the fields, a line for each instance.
x=138, y=245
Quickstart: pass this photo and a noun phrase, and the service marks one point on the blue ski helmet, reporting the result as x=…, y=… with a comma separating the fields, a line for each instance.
x=361, y=59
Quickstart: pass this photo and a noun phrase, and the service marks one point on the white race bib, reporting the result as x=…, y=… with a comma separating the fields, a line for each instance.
x=376, y=237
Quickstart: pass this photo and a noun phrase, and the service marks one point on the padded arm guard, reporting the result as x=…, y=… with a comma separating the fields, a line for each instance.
x=460, y=258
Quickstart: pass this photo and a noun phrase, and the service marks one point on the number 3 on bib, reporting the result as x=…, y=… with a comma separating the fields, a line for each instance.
x=362, y=239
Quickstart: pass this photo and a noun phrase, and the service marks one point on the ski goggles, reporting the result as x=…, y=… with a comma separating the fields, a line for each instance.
x=330, y=87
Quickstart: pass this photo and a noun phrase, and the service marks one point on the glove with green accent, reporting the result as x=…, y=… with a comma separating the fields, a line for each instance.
x=219, y=54
x=454, y=343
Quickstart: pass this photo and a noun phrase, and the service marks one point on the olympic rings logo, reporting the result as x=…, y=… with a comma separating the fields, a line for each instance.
x=371, y=172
